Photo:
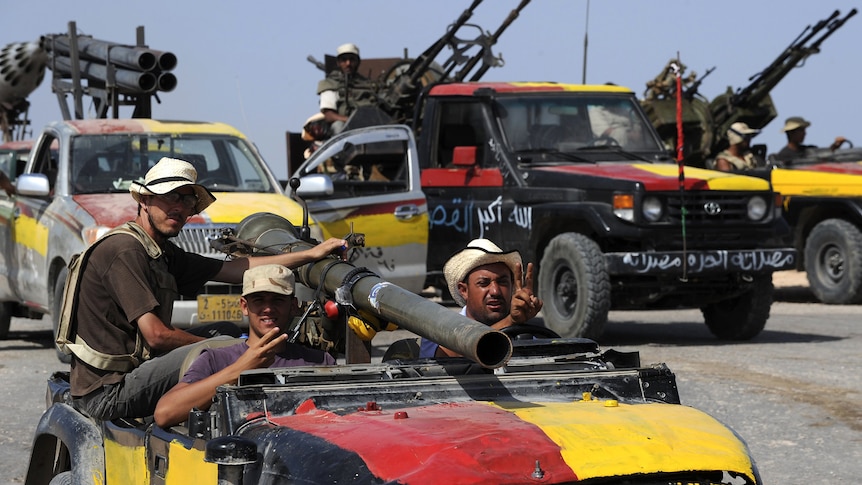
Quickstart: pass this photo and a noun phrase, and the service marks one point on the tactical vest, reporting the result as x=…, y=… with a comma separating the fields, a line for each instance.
x=359, y=91
x=746, y=162
x=68, y=340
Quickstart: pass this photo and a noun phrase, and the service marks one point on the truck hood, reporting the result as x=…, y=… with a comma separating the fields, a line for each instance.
x=476, y=442
x=111, y=210
x=663, y=177
x=819, y=180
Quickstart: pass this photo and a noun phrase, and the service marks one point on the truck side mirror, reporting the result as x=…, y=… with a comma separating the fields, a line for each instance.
x=33, y=184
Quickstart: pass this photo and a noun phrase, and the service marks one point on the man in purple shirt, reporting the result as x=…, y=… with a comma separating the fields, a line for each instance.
x=269, y=302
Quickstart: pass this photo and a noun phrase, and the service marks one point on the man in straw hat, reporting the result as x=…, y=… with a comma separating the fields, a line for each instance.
x=491, y=287
x=738, y=156
x=795, y=130
x=269, y=302
x=126, y=285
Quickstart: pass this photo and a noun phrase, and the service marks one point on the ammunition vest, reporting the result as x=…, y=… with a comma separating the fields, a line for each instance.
x=746, y=162
x=68, y=340
x=353, y=92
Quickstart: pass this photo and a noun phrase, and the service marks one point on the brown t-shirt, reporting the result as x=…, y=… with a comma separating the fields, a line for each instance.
x=116, y=288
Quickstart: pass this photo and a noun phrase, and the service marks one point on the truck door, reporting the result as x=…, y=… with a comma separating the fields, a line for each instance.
x=31, y=220
x=462, y=182
x=376, y=191
x=7, y=244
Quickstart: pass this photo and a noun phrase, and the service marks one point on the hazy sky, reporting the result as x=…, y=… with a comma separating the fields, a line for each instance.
x=244, y=63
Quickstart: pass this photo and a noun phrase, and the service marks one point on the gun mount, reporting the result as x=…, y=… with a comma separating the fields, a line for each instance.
x=706, y=122
x=400, y=81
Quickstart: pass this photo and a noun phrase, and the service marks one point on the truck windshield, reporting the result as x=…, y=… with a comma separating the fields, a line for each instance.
x=570, y=122
x=109, y=163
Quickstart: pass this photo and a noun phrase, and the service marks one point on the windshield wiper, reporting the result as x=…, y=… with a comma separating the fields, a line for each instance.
x=569, y=157
x=612, y=148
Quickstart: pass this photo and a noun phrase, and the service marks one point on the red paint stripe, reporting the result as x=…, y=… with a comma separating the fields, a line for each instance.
x=458, y=177
x=851, y=168
x=467, y=89
x=651, y=180
x=444, y=443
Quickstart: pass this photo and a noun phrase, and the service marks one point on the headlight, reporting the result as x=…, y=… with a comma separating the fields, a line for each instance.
x=652, y=209
x=757, y=207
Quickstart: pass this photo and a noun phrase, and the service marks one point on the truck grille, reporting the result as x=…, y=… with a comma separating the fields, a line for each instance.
x=195, y=239
x=733, y=208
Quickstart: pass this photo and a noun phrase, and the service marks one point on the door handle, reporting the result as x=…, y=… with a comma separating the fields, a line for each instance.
x=406, y=212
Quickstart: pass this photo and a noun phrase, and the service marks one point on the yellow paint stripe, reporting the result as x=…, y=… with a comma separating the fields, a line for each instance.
x=32, y=235
x=814, y=183
x=232, y=207
x=126, y=464
x=177, y=127
x=380, y=229
x=715, y=179
x=188, y=466
x=600, y=441
x=591, y=88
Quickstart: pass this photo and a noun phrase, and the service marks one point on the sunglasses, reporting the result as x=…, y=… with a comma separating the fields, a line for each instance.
x=188, y=200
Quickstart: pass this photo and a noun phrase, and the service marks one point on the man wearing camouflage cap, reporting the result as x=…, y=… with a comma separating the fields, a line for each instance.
x=269, y=302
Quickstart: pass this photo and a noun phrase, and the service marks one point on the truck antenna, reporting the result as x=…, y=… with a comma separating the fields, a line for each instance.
x=586, y=30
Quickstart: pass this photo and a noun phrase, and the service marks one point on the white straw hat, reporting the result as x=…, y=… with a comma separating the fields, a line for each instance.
x=168, y=175
x=478, y=252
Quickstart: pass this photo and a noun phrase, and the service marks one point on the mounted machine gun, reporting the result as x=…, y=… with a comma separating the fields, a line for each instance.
x=706, y=122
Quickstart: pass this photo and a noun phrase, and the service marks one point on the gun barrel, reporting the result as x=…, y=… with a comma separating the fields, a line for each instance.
x=135, y=81
x=489, y=348
x=134, y=58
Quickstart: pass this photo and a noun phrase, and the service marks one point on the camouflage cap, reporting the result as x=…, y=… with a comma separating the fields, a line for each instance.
x=274, y=278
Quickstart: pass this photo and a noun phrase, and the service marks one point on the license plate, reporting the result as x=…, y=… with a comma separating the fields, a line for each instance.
x=217, y=308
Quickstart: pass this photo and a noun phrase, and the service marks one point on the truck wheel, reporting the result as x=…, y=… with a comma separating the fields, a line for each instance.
x=63, y=478
x=5, y=319
x=833, y=262
x=56, y=308
x=744, y=316
x=574, y=286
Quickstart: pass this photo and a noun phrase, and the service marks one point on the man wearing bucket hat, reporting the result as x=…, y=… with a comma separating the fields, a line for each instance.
x=343, y=90
x=491, y=287
x=269, y=302
x=795, y=129
x=738, y=156
x=125, y=352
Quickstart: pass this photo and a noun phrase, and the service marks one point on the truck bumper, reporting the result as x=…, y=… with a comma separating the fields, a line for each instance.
x=701, y=262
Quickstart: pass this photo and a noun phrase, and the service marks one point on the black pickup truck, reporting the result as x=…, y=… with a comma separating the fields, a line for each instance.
x=576, y=179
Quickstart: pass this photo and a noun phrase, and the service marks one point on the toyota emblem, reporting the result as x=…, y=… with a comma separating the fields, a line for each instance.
x=712, y=208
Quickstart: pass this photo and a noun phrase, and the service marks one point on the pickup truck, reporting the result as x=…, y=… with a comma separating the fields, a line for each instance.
x=576, y=179
x=75, y=187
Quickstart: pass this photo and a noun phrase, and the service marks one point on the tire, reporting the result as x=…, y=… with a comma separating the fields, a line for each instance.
x=575, y=287
x=62, y=478
x=5, y=319
x=744, y=316
x=56, y=308
x=833, y=262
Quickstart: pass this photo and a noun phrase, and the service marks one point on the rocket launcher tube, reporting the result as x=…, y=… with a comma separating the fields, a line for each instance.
x=488, y=347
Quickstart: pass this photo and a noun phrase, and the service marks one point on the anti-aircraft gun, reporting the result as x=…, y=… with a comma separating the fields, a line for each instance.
x=706, y=122
x=400, y=81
